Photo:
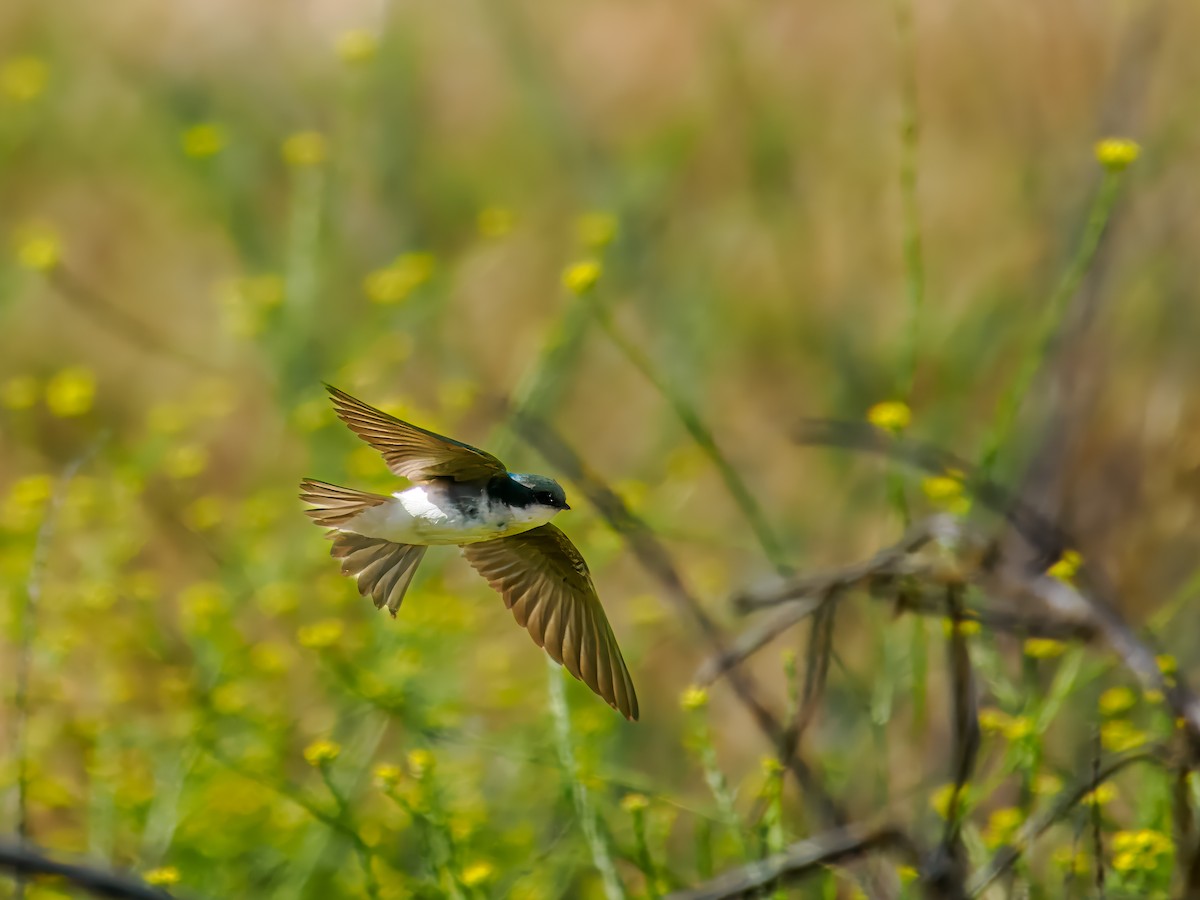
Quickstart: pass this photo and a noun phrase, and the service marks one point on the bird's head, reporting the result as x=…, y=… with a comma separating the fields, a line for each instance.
x=543, y=491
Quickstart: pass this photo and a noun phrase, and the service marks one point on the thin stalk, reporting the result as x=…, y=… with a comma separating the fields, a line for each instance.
x=1056, y=308
x=700, y=433
x=584, y=810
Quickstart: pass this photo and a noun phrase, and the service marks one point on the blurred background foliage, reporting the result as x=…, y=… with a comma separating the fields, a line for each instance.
x=209, y=208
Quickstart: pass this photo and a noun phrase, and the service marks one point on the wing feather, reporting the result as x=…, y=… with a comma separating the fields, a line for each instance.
x=382, y=569
x=544, y=580
x=412, y=452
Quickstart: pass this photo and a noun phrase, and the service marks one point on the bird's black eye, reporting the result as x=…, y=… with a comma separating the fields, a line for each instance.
x=544, y=498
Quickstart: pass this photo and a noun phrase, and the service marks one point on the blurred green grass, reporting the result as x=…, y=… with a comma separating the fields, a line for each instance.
x=210, y=210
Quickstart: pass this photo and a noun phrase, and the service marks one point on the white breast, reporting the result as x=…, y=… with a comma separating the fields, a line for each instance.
x=425, y=515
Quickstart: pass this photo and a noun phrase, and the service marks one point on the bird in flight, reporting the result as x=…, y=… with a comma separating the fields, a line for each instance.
x=463, y=496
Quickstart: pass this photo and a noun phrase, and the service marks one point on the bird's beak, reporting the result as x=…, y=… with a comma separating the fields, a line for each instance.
x=565, y=506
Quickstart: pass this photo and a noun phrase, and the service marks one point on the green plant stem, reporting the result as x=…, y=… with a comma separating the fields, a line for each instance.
x=1010, y=403
x=582, y=800
x=700, y=433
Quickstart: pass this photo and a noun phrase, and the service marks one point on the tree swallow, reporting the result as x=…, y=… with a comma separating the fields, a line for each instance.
x=500, y=520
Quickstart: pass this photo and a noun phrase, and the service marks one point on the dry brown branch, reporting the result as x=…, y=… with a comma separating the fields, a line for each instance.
x=800, y=859
x=24, y=860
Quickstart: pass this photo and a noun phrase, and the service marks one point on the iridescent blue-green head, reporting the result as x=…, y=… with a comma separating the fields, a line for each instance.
x=540, y=490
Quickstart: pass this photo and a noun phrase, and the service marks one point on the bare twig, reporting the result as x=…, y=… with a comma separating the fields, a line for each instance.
x=26, y=860
x=1091, y=600
x=654, y=558
x=800, y=859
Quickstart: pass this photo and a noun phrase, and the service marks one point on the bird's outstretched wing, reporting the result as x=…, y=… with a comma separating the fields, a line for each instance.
x=412, y=452
x=545, y=582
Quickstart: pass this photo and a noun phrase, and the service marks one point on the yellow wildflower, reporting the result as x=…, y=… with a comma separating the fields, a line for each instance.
x=1167, y=664
x=966, y=627
x=890, y=415
x=71, y=392
x=941, y=799
x=1102, y=795
x=395, y=282
x=908, y=874
x=994, y=720
x=420, y=762
x=1067, y=566
x=1140, y=850
x=203, y=140
x=1020, y=728
x=596, y=230
x=495, y=221
x=1002, y=825
x=387, y=775
x=321, y=752
x=305, y=149
x=357, y=46
x=24, y=78
x=476, y=873
x=1117, y=700
x=1119, y=735
x=1117, y=154
x=1043, y=648
x=634, y=803
x=694, y=698
x=162, y=876
x=320, y=635
x=38, y=247
x=581, y=277
x=947, y=492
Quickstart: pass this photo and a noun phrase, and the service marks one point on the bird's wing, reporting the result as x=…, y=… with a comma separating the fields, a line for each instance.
x=545, y=582
x=412, y=452
x=382, y=569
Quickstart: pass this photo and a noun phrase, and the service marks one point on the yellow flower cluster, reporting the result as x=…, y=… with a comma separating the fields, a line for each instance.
x=162, y=876
x=38, y=247
x=580, y=277
x=634, y=803
x=694, y=698
x=1116, y=154
x=1119, y=735
x=1140, y=850
x=946, y=491
x=1002, y=826
x=420, y=762
x=1117, y=700
x=890, y=415
x=1043, y=648
x=395, y=282
x=203, y=140
x=321, y=752
x=1066, y=567
x=70, y=393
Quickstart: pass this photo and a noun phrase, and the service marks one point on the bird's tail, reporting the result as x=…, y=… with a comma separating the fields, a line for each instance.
x=333, y=505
